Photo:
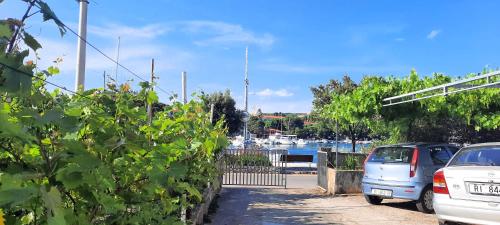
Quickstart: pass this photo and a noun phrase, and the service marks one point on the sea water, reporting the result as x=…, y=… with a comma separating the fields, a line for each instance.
x=312, y=148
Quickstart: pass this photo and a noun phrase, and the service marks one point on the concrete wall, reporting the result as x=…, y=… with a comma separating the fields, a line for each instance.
x=344, y=181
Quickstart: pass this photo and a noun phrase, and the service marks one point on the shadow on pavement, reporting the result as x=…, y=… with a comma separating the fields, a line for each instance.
x=262, y=206
x=409, y=205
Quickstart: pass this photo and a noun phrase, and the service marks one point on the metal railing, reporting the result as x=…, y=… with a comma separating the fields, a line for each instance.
x=445, y=89
x=250, y=167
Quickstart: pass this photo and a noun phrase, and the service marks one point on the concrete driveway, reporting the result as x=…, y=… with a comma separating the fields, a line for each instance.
x=303, y=203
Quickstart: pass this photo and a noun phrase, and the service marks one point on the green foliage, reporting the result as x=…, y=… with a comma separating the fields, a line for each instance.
x=256, y=126
x=466, y=117
x=248, y=159
x=349, y=105
x=95, y=157
x=225, y=110
x=88, y=159
x=350, y=162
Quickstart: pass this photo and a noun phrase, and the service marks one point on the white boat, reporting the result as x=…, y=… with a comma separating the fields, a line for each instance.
x=279, y=139
x=288, y=139
x=260, y=141
x=237, y=141
x=302, y=142
x=365, y=142
x=347, y=140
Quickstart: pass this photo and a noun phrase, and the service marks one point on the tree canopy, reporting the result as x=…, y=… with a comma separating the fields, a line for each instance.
x=467, y=117
x=225, y=109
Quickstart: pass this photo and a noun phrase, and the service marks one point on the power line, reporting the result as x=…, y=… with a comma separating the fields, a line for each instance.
x=106, y=56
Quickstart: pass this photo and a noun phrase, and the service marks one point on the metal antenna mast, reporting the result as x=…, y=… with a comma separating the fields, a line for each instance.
x=246, y=79
x=245, y=129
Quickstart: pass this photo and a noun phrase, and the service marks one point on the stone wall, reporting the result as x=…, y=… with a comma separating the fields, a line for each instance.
x=201, y=209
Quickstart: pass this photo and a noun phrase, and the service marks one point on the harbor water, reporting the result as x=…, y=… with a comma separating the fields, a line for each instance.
x=312, y=148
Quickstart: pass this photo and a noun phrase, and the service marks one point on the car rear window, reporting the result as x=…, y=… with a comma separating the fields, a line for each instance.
x=392, y=155
x=479, y=156
x=439, y=155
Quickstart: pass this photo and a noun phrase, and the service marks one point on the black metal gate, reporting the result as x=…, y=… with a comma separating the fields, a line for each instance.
x=250, y=167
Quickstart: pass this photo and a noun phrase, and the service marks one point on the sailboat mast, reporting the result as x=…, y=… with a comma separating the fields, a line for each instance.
x=246, y=79
x=245, y=128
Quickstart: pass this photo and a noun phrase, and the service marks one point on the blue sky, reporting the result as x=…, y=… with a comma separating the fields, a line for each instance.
x=293, y=45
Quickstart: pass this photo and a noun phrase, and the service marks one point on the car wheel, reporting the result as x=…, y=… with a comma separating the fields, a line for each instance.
x=374, y=200
x=444, y=222
x=424, y=203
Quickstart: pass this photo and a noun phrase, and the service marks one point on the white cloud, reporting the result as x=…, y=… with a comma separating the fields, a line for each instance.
x=225, y=33
x=116, y=30
x=400, y=39
x=135, y=54
x=276, y=93
x=433, y=34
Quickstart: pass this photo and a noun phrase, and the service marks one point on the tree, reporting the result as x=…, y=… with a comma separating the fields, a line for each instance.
x=256, y=126
x=293, y=124
x=323, y=93
x=341, y=101
x=467, y=117
x=224, y=108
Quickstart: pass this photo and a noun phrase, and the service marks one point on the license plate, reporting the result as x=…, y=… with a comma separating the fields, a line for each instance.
x=381, y=192
x=484, y=188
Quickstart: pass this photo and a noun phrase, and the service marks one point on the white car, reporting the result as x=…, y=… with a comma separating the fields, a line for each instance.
x=467, y=189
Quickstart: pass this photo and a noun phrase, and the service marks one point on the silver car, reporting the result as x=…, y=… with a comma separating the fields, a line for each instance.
x=404, y=171
x=467, y=190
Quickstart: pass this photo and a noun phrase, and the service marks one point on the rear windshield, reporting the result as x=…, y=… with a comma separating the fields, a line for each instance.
x=392, y=155
x=482, y=156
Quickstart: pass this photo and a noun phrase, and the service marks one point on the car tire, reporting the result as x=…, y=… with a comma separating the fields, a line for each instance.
x=374, y=200
x=444, y=222
x=424, y=203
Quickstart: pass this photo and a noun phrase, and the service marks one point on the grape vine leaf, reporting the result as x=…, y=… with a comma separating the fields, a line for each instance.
x=48, y=14
x=5, y=31
x=31, y=42
x=52, y=201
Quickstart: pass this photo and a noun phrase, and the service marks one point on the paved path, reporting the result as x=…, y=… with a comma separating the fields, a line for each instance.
x=302, y=203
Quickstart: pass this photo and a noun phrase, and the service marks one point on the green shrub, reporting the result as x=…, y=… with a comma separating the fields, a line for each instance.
x=350, y=162
x=95, y=157
x=249, y=159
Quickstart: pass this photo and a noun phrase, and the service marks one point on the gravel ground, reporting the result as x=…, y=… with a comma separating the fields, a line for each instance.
x=304, y=204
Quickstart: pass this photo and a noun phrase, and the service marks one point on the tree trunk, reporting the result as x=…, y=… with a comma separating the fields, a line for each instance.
x=408, y=132
x=352, y=134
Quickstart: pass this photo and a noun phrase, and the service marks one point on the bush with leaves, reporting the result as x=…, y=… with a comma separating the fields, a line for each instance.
x=95, y=157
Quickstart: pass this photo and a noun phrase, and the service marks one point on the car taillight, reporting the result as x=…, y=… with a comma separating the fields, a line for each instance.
x=414, y=161
x=366, y=160
x=439, y=183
